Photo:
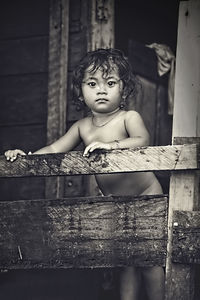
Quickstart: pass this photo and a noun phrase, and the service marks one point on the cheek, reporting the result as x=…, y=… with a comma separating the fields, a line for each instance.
x=85, y=91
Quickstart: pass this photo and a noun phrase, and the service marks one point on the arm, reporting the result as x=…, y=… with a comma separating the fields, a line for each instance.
x=66, y=143
x=138, y=135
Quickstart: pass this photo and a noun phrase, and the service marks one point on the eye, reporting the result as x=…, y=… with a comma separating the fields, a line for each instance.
x=111, y=83
x=92, y=83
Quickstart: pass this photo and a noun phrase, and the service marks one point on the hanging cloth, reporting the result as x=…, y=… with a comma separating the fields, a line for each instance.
x=166, y=63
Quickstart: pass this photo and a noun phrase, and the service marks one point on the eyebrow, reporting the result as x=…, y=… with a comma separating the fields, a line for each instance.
x=112, y=77
x=91, y=77
x=107, y=78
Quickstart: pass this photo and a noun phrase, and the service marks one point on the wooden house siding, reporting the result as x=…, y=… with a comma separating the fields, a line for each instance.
x=23, y=86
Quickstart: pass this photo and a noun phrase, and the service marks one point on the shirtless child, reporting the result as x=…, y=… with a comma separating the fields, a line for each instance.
x=103, y=80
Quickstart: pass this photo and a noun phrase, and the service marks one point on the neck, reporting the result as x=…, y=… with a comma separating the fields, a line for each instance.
x=104, y=114
x=104, y=118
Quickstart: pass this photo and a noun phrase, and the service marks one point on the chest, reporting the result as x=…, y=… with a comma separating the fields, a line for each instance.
x=114, y=130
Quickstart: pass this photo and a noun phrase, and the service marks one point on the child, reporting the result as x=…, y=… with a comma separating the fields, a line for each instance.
x=103, y=80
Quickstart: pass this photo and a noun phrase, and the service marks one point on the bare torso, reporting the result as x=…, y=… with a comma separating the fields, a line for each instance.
x=121, y=183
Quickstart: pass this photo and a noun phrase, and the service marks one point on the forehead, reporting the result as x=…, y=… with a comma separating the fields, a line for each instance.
x=103, y=71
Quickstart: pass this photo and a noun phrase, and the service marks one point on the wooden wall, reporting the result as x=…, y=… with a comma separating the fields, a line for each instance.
x=23, y=86
x=24, y=40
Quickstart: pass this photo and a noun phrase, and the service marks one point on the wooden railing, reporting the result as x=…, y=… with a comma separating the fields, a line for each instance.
x=102, y=231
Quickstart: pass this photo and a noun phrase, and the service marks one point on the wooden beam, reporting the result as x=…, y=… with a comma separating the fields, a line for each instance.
x=187, y=94
x=186, y=237
x=93, y=232
x=173, y=158
x=57, y=82
x=102, y=24
x=183, y=194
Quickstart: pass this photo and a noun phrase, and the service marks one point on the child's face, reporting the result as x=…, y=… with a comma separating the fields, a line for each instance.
x=102, y=94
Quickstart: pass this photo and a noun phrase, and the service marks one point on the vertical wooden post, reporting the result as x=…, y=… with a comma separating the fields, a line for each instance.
x=57, y=84
x=102, y=24
x=183, y=192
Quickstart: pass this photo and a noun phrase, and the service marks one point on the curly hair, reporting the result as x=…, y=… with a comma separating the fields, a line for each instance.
x=106, y=59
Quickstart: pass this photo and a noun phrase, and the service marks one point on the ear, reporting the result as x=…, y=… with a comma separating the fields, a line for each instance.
x=125, y=94
x=80, y=98
x=121, y=86
x=77, y=92
x=123, y=90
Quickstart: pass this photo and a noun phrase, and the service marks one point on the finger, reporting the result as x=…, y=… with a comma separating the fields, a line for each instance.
x=87, y=149
x=20, y=152
x=16, y=153
x=94, y=147
x=12, y=154
x=7, y=154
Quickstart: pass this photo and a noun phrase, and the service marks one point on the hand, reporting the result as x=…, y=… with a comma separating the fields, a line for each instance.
x=96, y=145
x=12, y=154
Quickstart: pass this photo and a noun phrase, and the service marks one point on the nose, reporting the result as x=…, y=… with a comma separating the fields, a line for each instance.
x=102, y=89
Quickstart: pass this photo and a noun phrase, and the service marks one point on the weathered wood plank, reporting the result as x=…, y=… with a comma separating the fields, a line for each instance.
x=57, y=83
x=183, y=195
x=22, y=188
x=22, y=56
x=186, y=237
x=183, y=192
x=18, y=105
x=187, y=96
x=21, y=22
x=88, y=232
x=16, y=136
x=102, y=24
x=72, y=163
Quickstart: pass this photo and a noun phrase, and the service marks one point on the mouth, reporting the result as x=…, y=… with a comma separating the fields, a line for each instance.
x=101, y=100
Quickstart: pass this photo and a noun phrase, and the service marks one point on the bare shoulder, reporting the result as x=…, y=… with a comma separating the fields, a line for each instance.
x=84, y=122
x=132, y=115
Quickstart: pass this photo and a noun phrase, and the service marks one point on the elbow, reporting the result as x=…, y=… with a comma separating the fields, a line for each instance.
x=146, y=140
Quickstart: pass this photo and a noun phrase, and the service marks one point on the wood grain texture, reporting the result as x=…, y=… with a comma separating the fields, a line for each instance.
x=186, y=237
x=73, y=163
x=187, y=88
x=87, y=232
x=57, y=82
x=102, y=24
x=57, y=67
x=183, y=193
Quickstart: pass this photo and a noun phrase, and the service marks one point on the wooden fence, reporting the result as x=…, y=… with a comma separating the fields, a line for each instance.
x=107, y=231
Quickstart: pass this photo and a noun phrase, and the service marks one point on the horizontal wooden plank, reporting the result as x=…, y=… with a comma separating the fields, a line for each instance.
x=186, y=237
x=85, y=232
x=13, y=189
x=16, y=136
x=22, y=56
x=160, y=158
x=18, y=104
x=23, y=18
